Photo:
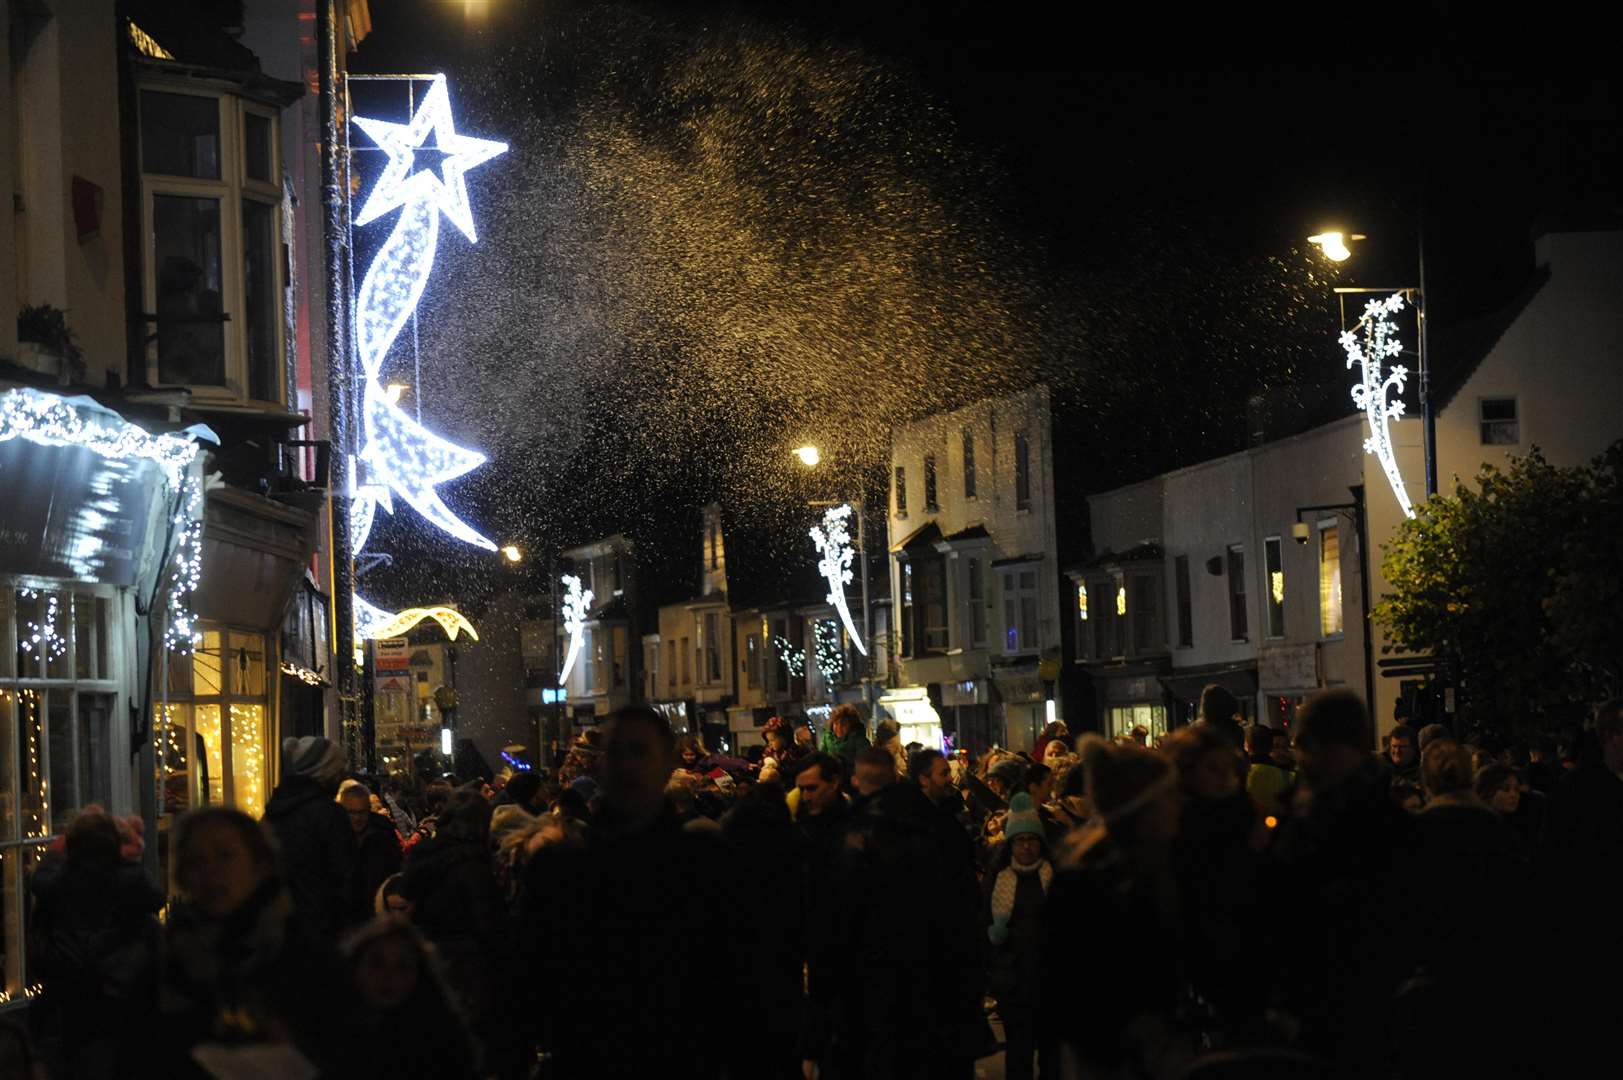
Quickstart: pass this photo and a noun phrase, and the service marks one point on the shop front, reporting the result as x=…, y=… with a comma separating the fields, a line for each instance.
x=915, y=714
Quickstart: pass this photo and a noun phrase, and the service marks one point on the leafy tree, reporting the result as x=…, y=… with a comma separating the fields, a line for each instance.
x=1515, y=580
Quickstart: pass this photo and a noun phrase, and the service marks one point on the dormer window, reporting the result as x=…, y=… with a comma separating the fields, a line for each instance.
x=213, y=268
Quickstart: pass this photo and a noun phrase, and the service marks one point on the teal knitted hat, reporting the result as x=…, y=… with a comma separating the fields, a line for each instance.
x=1022, y=819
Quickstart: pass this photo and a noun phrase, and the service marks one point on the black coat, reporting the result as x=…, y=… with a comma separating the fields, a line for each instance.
x=376, y=857
x=629, y=948
x=318, y=852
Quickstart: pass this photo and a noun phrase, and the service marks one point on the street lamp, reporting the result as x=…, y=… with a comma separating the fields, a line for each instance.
x=1334, y=246
x=393, y=391
x=811, y=457
x=512, y=553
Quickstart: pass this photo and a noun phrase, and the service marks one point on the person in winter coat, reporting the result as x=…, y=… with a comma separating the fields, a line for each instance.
x=376, y=851
x=844, y=737
x=1112, y=966
x=410, y=1024
x=95, y=936
x=458, y=904
x=244, y=974
x=313, y=832
x=1015, y=898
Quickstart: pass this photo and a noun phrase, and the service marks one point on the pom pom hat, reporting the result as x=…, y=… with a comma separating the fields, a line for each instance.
x=1022, y=819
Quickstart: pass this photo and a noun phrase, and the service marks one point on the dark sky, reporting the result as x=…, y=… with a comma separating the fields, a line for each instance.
x=1159, y=166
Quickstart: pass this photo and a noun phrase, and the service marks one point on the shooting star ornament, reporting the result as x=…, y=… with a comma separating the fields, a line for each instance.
x=1368, y=345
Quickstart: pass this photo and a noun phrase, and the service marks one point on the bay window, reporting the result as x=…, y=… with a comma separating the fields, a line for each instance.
x=211, y=205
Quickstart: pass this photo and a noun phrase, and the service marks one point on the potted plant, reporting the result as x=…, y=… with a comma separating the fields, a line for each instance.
x=45, y=343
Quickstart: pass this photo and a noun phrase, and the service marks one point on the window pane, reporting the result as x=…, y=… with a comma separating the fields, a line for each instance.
x=1186, y=613
x=248, y=758
x=13, y=895
x=901, y=490
x=929, y=483
x=1028, y=622
x=969, y=464
x=63, y=793
x=191, y=319
x=8, y=657
x=247, y=659
x=1275, y=586
x=174, y=761
x=1022, y=471
x=1143, y=608
x=207, y=677
x=1237, y=612
x=256, y=149
x=59, y=658
x=95, y=748
x=31, y=780
x=206, y=751
x=261, y=307
x=180, y=135
x=1330, y=581
x=1028, y=579
x=9, y=705
x=35, y=632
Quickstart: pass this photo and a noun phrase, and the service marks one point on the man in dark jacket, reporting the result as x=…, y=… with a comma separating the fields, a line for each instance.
x=636, y=926
x=312, y=831
x=376, y=850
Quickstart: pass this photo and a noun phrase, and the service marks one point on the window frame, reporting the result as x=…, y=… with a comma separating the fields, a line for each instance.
x=1019, y=600
x=1022, y=470
x=932, y=504
x=1484, y=424
x=975, y=596
x=1239, y=610
x=899, y=489
x=1273, y=562
x=969, y=463
x=226, y=696
x=231, y=191
x=1331, y=525
x=1186, y=609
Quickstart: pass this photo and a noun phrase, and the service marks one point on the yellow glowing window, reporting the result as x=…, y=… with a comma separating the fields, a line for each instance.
x=1082, y=602
x=1277, y=583
x=1121, y=599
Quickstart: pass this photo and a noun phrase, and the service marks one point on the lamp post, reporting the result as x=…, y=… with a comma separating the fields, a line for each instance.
x=1334, y=246
x=811, y=457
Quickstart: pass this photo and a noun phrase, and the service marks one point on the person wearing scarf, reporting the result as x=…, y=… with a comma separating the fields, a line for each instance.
x=1018, y=892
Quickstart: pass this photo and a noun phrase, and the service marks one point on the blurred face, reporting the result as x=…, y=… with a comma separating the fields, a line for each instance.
x=1508, y=797
x=220, y=873
x=358, y=810
x=1054, y=754
x=841, y=726
x=397, y=906
x=1214, y=776
x=816, y=793
x=387, y=972
x=1281, y=753
x=871, y=778
x=1043, y=790
x=1026, y=849
x=938, y=781
x=637, y=765
x=1402, y=750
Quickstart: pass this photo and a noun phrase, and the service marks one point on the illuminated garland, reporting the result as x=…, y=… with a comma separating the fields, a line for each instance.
x=42, y=640
x=794, y=658
x=830, y=657
x=186, y=571
x=576, y=601
x=833, y=541
x=399, y=455
x=1380, y=341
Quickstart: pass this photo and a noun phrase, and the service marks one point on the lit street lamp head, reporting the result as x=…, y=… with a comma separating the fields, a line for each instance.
x=1334, y=244
x=512, y=553
x=808, y=455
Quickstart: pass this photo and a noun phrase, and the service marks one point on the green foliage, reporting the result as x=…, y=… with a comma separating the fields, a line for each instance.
x=1516, y=579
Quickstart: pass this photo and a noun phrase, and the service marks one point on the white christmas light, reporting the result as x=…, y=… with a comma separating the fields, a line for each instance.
x=833, y=542
x=372, y=621
x=793, y=658
x=830, y=657
x=1379, y=341
x=402, y=455
x=576, y=602
x=185, y=569
x=42, y=640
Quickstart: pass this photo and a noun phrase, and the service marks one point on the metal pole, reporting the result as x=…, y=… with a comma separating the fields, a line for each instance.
x=1428, y=418
x=1363, y=587
x=867, y=628
x=336, y=234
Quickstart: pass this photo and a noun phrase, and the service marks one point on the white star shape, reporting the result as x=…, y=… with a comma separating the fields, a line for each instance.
x=399, y=184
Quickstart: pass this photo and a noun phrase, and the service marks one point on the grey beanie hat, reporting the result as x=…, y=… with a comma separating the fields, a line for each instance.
x=315, y=757
x=1431, y=733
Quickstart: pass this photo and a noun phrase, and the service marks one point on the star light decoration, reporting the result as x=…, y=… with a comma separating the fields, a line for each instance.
x=830, y=657
x=833, y=542
x=1369, y=344
x=42, y=640
x=576, y=602
x=399, y=455
x=793, y=658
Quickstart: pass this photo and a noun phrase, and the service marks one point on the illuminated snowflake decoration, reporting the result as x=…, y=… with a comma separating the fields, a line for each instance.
x=576, y=603
x=833, y=541
x=42, y=640
x=793, y=658
x=400, y=456
x=830, y=657
x=1369, y=345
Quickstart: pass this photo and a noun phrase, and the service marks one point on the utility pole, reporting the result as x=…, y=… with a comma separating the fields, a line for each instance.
x=335, y=228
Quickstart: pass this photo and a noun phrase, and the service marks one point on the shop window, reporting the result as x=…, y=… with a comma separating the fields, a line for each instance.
x=212, y=738
x=61, y=678
x=213, y=262
x=1122, y=719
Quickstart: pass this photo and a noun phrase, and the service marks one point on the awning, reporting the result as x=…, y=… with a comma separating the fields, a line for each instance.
x=1241, y=682
x=254, y=554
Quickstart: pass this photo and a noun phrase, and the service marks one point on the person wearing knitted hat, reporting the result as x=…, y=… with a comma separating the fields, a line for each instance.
x=313, y=831
x=1116, y=875
x=1015, y=907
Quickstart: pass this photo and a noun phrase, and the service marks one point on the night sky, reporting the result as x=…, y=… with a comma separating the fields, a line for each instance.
x=1123, y=208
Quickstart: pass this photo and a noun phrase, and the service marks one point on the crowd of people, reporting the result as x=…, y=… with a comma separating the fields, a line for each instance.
x=1232, y=901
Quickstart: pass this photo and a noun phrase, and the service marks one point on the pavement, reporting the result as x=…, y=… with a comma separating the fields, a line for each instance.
x=991, y=1067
